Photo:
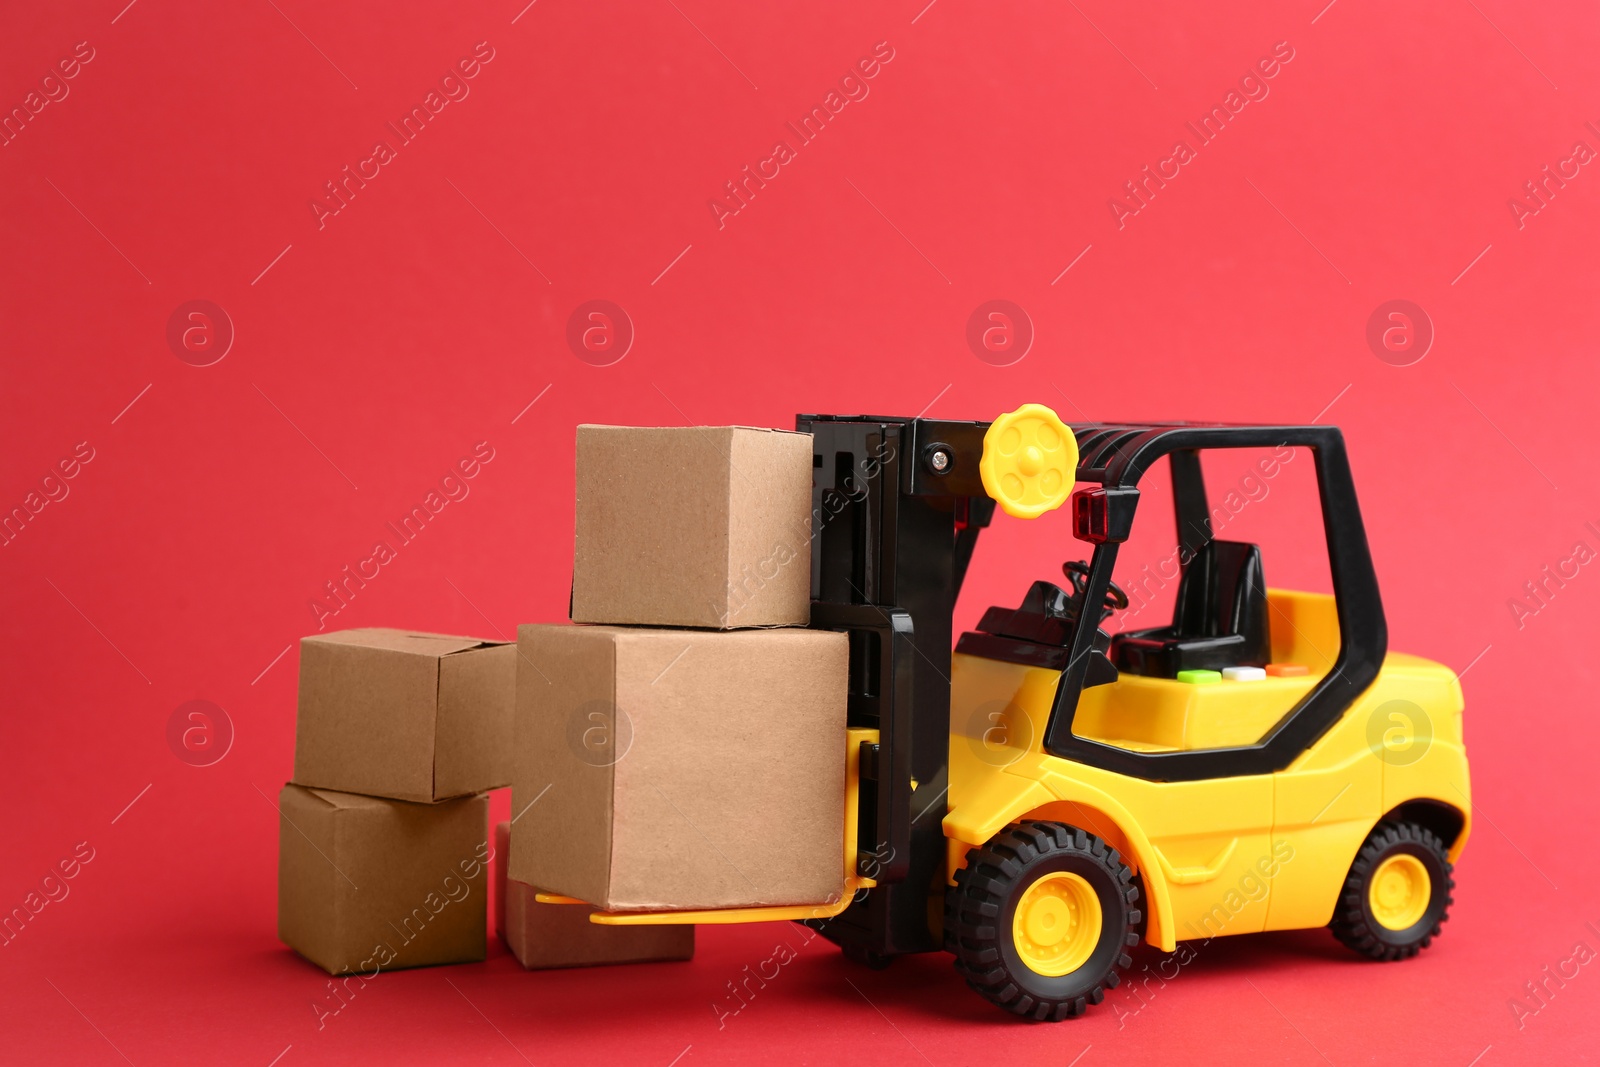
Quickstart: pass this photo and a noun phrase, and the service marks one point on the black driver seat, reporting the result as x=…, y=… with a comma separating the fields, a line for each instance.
x=1220, y=619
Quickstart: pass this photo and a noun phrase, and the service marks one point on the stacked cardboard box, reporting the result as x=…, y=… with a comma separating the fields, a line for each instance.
x=687, y=750
x=383, y=834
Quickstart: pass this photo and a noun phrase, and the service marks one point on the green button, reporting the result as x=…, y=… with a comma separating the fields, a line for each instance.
x=1200, y=677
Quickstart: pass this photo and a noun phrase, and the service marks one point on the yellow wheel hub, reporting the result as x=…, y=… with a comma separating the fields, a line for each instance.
x=1057, y=924
x=1030, y=460
x=1399, y=891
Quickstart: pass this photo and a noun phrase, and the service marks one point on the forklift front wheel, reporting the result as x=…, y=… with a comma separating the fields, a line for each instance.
x=1041, y=919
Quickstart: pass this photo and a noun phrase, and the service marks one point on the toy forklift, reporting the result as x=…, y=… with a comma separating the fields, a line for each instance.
x=1049, y=794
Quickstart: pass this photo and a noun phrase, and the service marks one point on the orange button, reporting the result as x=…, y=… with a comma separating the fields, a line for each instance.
x=1287, y=670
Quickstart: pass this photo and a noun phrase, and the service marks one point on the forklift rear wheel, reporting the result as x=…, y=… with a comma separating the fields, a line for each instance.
x=1397, y=893
x=1041, y=919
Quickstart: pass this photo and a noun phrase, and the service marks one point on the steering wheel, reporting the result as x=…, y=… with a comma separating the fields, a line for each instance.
x=1077, y=572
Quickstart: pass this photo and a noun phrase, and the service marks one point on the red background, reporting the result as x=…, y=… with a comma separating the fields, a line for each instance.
x=375, y=351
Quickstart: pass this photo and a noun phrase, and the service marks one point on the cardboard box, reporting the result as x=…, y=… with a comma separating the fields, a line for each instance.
x=543, y=936
x=680, y=769
x=693, y=526
x=409, y=716
x=367, y=884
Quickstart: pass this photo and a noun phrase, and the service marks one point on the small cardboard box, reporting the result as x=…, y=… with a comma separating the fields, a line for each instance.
x=543, y=936
x=409, y=716
x=693, y=526
x=367, y=884
x=680, y=769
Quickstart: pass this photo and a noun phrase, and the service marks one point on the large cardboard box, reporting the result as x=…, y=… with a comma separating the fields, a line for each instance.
x=404, y=715
x=680, y=769
x=543, y=936
x=367, y=884
x=693, y=526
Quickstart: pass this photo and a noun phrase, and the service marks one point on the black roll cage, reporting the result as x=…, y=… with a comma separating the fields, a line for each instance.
x=1117, y=457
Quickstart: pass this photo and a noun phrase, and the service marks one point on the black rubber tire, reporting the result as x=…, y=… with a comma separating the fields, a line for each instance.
x=980, y=907
x=1353, y=923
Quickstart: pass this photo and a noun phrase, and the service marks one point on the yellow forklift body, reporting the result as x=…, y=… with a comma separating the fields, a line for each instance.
x=1223, y=855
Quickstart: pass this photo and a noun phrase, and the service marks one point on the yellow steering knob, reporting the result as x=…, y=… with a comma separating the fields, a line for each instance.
x=1030, y=459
